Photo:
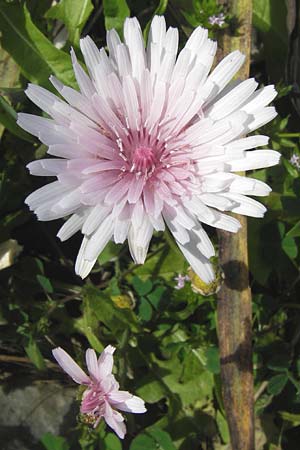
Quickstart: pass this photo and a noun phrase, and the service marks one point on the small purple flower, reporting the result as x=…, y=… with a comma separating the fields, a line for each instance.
x=295, y=161
x=102, y=397
x=218, y=20
x=181, y=279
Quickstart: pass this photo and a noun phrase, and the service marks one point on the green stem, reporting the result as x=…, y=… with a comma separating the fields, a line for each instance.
x=288, y=135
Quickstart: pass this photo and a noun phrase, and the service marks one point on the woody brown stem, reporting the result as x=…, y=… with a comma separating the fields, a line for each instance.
x=234, y=298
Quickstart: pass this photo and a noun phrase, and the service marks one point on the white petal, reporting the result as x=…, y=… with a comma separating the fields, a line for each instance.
x=261, y=118
x=115, y=420
x=70, y=366
x=92, y=364
x=232, y=101
x=217, y=201
x=72, y=225
x=200, y=264
x=255, y=159
x=85, y=84
x=47, y=167
x=82, y=265
x=245, y=205
x=98, y=240
x=133, y=404
x=225, y=70
x=139, y=240
x=90, y=53
x=259, y=99
x=106, y=361
x=95, y=218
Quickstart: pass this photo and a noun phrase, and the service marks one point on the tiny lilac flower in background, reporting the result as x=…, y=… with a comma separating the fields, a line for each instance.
x=102, y=397
x=218, y=20
x=152, y=139
x=181, y=279
x=295, y=161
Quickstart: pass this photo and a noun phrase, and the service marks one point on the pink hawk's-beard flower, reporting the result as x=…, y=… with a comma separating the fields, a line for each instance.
x=151, y=139
x=102, y=396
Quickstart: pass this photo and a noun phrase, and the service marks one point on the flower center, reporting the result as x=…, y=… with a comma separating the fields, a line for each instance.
x=143, y=161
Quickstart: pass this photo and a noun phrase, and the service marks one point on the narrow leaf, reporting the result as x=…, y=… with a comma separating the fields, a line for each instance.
x=37, y=57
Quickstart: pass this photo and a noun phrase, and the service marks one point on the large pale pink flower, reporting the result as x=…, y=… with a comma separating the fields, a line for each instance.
x=102, y=397
x=151, y=139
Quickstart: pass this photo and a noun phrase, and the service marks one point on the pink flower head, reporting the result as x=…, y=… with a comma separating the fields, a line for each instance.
x=181, y=279
x=217, y=20
x=151, y=139
x=102, y=397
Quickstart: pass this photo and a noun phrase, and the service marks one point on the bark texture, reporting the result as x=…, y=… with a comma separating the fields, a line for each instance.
x=234, y=298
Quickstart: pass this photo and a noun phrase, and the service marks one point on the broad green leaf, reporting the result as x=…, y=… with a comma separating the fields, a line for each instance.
x=142, y=287
x=295, y=231
x=8, y=117
x=45, y=283
x=112, y=442
x=52, y=442
x=277, y=383
x=143, y=442
x=33, y=352
x=114, y=318
x=37, y=57
x=156, y=295
x=165, y=263
x=213, y=360
x=290, y=247
x=162, y=438
x=145, y=310
x=110, y=252
x=269, y=17
x=88, y=324
x=74, y=14
x=115, y=12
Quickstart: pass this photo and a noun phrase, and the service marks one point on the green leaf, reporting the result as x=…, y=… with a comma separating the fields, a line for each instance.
x=37, y=57
x=156, y=295
x=114, y=318
x=115, y=12
x=33, y=352
x=290, y=417
x=145, y=310
x=112, y=442
x=8, y=117
x=51, y=442
x=269, y=17
x=162, y=439
x=290, y=168
x=74, y=14
x=223, y=427
x=295, y=231
x=143, y=442
x=165, y=263
x=45, y=283
x=213, y=360
x=142, y=287
x=290, y=247
x=110, y=252
x=277, y=383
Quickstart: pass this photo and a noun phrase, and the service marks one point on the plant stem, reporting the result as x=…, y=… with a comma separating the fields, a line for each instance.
x=234, y=298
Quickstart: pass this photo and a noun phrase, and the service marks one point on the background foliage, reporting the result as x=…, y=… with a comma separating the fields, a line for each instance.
x=166, y=339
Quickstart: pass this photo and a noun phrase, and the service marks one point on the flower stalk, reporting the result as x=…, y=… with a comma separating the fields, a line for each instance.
x=234, y=298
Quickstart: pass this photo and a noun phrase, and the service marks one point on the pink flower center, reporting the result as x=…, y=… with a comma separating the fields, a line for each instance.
x=143, y=161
